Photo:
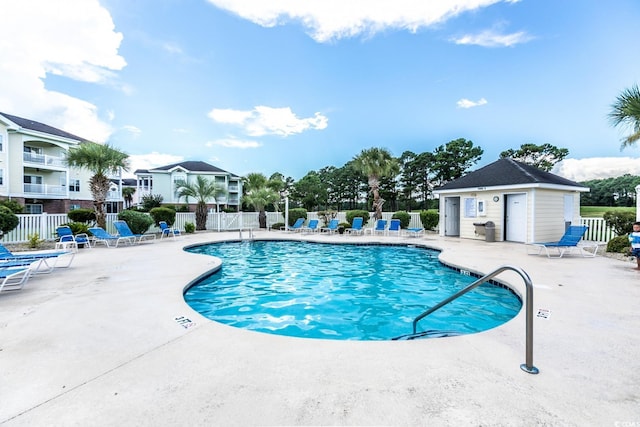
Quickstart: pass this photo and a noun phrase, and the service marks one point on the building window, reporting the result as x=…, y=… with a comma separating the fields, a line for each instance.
x=34, y=209
x=1, y=142
x=73, y=207
x=74, y=185
x=1, y=176
x=111, y=207
x=177, y=180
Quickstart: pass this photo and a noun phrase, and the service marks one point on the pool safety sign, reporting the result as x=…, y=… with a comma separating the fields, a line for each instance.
x=543, y=313
x=184, y=322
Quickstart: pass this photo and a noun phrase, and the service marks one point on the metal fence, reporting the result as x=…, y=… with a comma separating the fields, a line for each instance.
x=45, y=224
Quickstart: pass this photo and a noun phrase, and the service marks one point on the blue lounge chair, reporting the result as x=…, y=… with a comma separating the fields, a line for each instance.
x=101, y=236
x=124, y=231
x=50, y=259
x=295, y=227
x=166, y=231
x=380, y=227
x=394, y=227
x=566, y=244
x=311, y=227
x=356, y=226
x=332, y=227
x=414, y=232
x=67, y=240
x=13, y=279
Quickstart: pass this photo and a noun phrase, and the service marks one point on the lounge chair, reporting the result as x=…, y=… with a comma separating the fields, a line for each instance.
x=566, y=244
x=356, y=226
x=13, y=279
x=166, y=231
x=295, y=227
x=101, y=236
x=332, y=227
x=413, y=232
x=394, y=227
x=50, y=258
x=380, y=227
x=312, y=227
x=67, y=240
x=124, y=231
x=37, y=266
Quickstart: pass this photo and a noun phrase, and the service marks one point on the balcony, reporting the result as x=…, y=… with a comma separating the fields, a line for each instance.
x=40, y=160
x=41, y=190
x=233, y=188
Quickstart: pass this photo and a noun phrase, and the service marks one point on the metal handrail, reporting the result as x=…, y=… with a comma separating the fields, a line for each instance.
x=528, y=365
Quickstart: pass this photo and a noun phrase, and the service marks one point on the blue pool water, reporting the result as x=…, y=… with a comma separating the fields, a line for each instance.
x=343, y=292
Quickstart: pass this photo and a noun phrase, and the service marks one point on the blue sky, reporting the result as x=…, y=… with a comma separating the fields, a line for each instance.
x=292, y=86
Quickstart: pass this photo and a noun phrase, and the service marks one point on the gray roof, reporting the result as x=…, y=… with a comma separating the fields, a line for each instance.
x=191, y=166
x=507, y=172
x=40, y=127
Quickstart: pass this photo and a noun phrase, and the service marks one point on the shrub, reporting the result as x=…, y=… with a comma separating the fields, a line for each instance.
x=8, y=220
x=34, y=241
x=404, y=218
x=163, y=214
x=429, y=219
x=189, y=227
x=277, y=225
x=150, y=201
x=356, y=213
x=14, y=206
x=78, y=227
x=296, y=213
x=618, y=244
x=82, y=215
x=138, y=222
x=621, y=222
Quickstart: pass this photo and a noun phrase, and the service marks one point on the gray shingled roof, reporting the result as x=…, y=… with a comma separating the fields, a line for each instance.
x=507, y=172
x=191, y=166
x=40, y=127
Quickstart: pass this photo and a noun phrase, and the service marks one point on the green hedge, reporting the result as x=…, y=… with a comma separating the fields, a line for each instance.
x=404, y=218
x=429, y=219
x=138, y=222
x=350, y=215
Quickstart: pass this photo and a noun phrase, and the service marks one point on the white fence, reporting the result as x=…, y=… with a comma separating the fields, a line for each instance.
x=45, y=224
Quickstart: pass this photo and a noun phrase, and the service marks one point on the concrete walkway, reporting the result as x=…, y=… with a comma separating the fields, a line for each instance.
x=98, y=344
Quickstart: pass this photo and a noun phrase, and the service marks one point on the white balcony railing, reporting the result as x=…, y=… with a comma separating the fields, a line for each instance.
x=43, y=160
x=45, y=190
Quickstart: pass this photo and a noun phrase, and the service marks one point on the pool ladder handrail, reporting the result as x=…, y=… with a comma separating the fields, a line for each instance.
x=250, y=233
x=528, y=365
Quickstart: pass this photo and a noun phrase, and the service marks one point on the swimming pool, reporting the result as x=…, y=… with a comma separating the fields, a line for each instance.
x=342, y=291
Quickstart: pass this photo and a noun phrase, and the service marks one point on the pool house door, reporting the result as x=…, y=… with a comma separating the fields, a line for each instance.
x=516, y=218
x=452, y=216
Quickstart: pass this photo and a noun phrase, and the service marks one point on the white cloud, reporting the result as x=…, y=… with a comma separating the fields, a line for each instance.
x=327, y=20
x=491, y=38
x=269, y=121
x=75, y=39
x=466, y=103
x=133, y=130
x=234, y=143
x=597, y=168
x=150, y=161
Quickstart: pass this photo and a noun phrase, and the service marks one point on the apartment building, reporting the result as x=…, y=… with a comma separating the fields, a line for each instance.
x=164, y=181
x=34, y=173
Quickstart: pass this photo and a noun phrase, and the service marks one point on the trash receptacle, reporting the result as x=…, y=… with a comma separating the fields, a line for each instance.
x=490, y=231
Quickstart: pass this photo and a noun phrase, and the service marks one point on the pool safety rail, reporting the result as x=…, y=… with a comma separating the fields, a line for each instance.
x=528, y=365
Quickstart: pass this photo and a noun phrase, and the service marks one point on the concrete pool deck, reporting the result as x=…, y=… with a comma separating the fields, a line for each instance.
x=99, y=344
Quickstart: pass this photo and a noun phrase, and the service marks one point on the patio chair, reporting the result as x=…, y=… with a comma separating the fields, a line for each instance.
x=332, y=227
x=67, y=240
x=13, y=279
x=50, y=259
x=356, y=226
x=166, y=231
x=380, y=227
x=414, y=232
x=295, y=227
x=566, y=244
x=394, y=227
x=101, y=236
x=124, y=231
x=311, y=227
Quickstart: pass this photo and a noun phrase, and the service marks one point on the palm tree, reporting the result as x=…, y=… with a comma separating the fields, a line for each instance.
x=102, y=160
x=127, y=195
x=376, y=163
x=203, y=190
x=626, y=111
x=259, y=192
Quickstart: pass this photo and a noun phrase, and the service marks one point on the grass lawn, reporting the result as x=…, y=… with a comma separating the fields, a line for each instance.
x=598, y=211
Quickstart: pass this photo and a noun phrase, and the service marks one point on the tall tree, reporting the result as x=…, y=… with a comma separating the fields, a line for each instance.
x=376, y=163
x=626, y=111
x=310, y=191
x=102, y=160
x=203, y=191
x=259, y=194
x=453, y=159
x=543, y=156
